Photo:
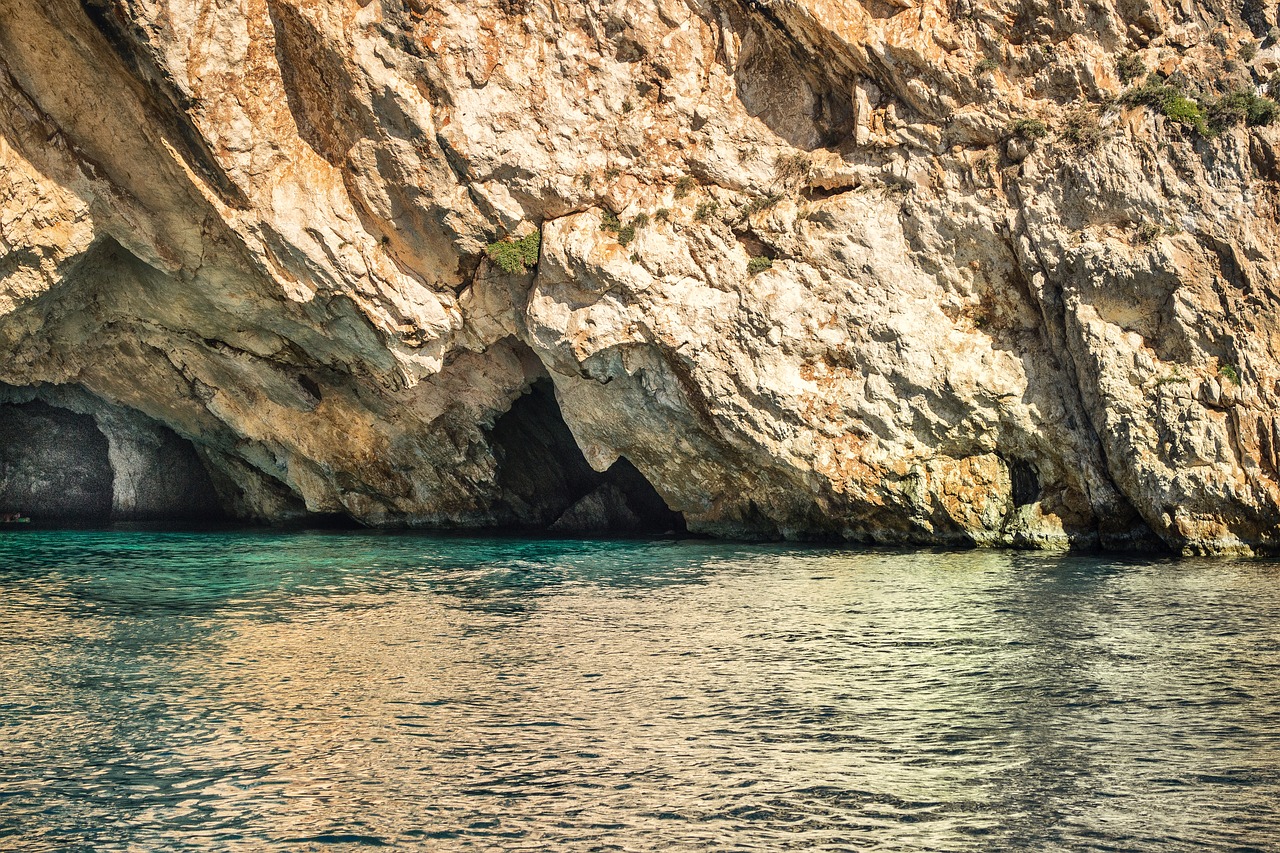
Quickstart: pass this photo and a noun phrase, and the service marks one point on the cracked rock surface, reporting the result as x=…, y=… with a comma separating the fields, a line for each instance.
x=262, y=224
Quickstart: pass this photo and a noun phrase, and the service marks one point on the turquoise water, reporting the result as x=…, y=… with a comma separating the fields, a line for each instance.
x=329, y=691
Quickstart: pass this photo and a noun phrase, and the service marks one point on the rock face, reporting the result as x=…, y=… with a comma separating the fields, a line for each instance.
x=1002, y=307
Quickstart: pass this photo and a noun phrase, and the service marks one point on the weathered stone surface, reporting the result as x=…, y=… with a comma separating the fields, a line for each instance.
x=623, y=501
x=603, y=510
x=262, y=224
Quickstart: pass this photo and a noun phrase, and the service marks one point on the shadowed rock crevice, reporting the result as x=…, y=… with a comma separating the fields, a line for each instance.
x=318, y=86
x=797, y=94
x=165, y=101
x=545, y=482
x=1025, y=482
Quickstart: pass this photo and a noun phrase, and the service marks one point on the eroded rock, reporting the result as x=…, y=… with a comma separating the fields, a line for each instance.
x=53, y=464
x=262, y=225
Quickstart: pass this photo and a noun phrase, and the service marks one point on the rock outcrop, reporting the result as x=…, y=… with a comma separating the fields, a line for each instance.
x=904, y=271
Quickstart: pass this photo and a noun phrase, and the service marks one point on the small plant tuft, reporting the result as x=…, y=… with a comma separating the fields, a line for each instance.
x=626, y=234
x=609, y=221
x=684, y=186
x=705, y=211
x=1229, y=373
x=1130, y=67
x=759, y=264
x=662, y=214
x=1029, y=128
x=530, y=246
x=516, y=257
x=985, y=66
x=1081, y=128
x=640, y=220
x=794, y=167
x=1148, y=232
x=761, y=203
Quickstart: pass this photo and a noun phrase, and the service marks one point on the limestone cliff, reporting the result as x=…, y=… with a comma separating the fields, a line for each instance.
x=886, y=270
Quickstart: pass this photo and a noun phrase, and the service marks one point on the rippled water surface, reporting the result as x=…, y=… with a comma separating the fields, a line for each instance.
x=228, y=691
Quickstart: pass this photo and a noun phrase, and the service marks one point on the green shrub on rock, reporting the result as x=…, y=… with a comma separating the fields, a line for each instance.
x=1210, y=118
x=1130, y=67
x=1169, y=100
x=1241, y=107
x=1029, y=128
x=516, y=257
x=1183, y=110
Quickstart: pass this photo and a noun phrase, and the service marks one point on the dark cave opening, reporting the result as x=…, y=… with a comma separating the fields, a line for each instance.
x=1025, y=482
x=546, y=484
x=60, y=465
x=53, y=464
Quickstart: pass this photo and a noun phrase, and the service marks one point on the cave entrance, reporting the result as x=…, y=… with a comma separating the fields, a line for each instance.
x=53, y=464
x=546, y=484
x=115, y=464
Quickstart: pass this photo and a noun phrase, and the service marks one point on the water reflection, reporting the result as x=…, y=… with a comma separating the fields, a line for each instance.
x=229, y=691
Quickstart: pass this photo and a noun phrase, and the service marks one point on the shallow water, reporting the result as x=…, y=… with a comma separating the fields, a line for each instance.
x=247, y=691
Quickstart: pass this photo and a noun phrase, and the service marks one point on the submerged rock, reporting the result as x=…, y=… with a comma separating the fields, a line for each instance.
x=795, y=264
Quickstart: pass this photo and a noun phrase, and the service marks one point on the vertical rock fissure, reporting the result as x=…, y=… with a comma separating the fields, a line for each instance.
x=1120, y=522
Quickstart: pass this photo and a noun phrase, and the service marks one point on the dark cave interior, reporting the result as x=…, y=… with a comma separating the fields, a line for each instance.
x=58, y=465
x=546, y=484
